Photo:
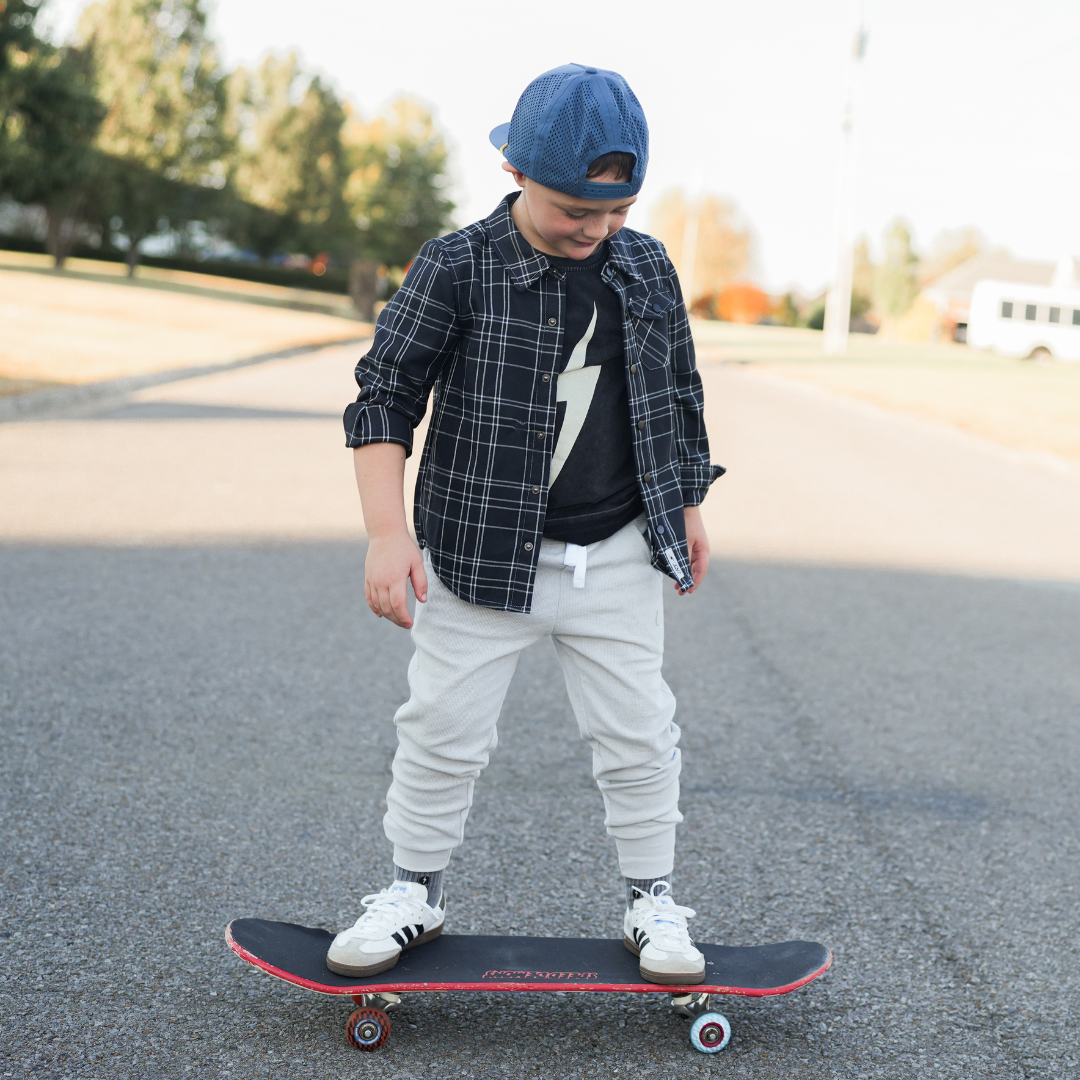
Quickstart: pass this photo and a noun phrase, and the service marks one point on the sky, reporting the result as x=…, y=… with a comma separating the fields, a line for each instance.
x=965, y=109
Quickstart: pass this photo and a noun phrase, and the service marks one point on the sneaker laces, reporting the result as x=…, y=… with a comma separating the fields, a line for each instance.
x=667, y=920
x=386, y=913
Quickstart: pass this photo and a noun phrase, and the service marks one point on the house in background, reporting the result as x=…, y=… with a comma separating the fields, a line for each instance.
x=951, y=293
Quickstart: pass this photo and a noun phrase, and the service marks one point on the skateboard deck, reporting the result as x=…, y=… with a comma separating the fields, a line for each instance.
x=297, y=954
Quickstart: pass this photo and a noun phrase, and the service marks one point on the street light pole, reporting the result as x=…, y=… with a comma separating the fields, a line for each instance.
x=838, y=300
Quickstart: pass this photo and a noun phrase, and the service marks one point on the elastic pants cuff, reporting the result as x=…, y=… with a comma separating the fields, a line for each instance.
x=647, y=856
x=421, y=862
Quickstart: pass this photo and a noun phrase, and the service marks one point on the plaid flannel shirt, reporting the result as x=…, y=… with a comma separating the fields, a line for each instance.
x=479, y=320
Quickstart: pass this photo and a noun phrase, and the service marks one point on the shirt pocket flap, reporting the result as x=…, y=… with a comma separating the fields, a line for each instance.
x=651, y=305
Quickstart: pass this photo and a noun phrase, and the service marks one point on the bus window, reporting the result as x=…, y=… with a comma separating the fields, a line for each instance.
x=1029, y=312
x=1055, y=314
x=1006, y=309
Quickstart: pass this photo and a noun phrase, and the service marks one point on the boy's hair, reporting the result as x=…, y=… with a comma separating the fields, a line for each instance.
x=618, y=163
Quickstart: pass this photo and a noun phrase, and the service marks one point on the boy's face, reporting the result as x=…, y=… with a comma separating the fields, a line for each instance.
x=562, y=225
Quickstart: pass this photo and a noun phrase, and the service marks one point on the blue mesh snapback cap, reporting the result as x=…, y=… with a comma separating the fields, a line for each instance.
x=565, y=120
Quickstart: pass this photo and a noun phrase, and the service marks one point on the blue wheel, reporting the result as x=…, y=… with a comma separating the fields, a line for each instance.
x=710, y=1032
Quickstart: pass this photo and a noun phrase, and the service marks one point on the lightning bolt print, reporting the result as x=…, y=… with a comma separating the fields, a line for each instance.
x=576, y=386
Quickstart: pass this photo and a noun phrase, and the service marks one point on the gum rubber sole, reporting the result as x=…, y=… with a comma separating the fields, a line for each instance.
x=665, y=978
x=356, y=972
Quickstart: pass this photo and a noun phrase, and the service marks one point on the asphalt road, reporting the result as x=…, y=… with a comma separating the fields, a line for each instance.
x=881, y=753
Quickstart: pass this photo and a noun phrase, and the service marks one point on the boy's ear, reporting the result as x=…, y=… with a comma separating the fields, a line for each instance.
x=517, y=174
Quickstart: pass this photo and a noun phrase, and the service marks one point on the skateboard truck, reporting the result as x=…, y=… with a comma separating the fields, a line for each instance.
x=690, y=1005
x=385, y=1001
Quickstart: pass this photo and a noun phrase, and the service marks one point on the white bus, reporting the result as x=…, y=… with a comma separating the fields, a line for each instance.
x=1038, y=322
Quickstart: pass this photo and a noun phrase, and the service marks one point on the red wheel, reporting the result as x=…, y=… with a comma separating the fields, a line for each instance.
x=368, y=1029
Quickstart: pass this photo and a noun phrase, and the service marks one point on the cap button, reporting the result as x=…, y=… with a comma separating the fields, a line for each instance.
x=590, y=71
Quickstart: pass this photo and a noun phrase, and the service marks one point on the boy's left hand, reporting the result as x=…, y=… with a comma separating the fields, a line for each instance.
x=697, y=546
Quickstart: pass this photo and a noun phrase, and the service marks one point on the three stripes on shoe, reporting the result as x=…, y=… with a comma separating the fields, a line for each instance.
x=407, y=933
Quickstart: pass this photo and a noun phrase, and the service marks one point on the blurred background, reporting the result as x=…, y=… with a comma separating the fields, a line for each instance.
x=313, y=152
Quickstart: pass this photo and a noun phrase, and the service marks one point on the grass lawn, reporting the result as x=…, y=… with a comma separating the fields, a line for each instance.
x=1023, y=405
x=91, y=323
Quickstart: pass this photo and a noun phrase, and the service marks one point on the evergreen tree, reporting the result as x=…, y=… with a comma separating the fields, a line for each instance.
x=157, y=73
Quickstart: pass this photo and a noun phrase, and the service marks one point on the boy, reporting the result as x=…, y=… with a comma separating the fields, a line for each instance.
x=562, y=472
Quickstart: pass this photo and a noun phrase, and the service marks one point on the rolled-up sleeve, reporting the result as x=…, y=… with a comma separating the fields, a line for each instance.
x=416, y=333
x=696, y=471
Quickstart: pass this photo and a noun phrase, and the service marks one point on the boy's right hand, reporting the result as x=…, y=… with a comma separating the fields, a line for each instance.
x=391, y=562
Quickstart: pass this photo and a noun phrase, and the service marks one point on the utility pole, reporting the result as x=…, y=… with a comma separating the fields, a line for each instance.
x=838, y=300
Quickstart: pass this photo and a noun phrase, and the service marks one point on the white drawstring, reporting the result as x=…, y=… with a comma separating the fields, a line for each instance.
x=576, y=556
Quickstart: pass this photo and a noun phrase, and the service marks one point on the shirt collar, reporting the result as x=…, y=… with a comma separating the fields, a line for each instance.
x=525, y=264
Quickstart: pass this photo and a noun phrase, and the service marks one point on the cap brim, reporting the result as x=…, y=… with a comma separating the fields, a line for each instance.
x=500, y=136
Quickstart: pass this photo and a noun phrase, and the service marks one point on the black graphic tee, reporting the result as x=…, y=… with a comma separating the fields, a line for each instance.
x=593, y=491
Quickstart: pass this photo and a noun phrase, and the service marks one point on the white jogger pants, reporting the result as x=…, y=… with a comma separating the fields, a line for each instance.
x=609, y=637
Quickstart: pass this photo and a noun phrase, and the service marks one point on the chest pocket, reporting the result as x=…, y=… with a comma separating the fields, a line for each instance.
x=650, y=312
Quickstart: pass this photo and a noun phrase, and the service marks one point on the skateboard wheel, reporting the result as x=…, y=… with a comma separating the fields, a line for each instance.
x=710, y=1032
x=368, y=1029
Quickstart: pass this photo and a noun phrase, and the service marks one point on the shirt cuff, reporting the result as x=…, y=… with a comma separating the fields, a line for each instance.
x=696, y=480
x=366, y=424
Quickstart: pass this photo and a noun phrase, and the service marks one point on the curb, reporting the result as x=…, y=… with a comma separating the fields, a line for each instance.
x=38, y=403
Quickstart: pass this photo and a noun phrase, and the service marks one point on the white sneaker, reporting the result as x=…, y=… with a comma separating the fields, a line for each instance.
x=654, y=929
x=396, y=918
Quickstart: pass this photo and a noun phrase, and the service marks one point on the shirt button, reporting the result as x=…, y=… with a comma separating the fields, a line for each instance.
x=528, y=545
x=647, y=477
x=633, y=369
x=536, y=491
x=545, y=378
x=659, y=528
x=553, y=321
x=641, y=425
x=658, y=306
x=540, y=436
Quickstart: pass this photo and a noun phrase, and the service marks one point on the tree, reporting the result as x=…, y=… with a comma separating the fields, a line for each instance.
x=50, y=116
x=157, y=72
x=395, y=191
x=897, y=279
x=949, y=249
x=723, y=245
x=863, y=273
x=742, y=303
x=17, y=42
x=285, y=129
x=785, y=311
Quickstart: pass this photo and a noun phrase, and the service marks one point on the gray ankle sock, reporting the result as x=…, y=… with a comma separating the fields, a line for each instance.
x=431, y=879
x=644, y=884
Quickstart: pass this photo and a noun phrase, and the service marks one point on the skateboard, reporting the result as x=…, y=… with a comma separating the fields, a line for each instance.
x=297, y=954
